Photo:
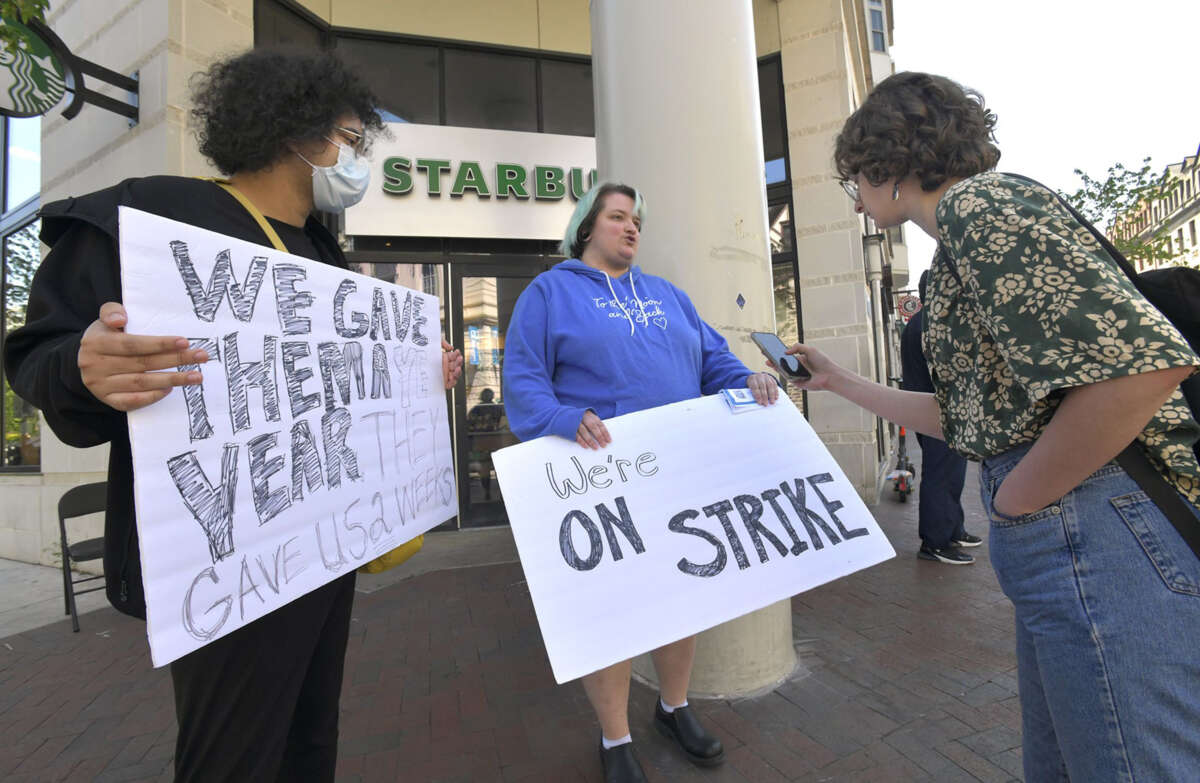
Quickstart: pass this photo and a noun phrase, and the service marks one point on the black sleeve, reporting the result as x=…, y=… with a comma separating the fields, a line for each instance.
x=41, y=358
x=914, y=369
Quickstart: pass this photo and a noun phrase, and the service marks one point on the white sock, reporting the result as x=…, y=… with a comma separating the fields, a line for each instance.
x=667, y=708
x=607, y=743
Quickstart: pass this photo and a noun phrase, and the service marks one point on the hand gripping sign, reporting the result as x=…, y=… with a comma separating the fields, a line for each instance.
x=691, y=517
x=317, y=441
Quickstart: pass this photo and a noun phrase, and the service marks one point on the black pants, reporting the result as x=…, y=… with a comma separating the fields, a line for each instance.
x=942, y=476
x=261, y=704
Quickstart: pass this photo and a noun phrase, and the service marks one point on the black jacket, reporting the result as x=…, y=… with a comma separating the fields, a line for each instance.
x=81, y=273
x=913, y=368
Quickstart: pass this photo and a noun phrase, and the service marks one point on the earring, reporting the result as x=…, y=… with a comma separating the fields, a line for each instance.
x=896, y=192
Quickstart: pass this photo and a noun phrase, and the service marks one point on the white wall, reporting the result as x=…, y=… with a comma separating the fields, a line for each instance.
x=164, y=41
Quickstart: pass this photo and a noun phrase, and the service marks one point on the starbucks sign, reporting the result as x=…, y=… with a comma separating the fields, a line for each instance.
x=436, y=180
x=34, y=79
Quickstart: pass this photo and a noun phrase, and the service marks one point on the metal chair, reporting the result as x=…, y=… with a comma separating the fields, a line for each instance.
x=77, y=502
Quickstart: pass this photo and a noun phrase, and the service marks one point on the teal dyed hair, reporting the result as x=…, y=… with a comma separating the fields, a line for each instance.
x=584, y=216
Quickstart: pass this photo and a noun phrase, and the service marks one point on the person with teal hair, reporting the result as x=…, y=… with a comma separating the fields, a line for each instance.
x=592, y=338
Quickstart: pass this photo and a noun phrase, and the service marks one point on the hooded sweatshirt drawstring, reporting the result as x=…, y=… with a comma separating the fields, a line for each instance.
x=636, y=298
x=617, y=299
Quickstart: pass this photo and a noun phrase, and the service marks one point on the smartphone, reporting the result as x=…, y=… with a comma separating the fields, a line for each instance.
x=774, y=349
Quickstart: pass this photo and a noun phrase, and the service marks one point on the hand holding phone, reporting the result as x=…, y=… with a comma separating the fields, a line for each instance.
x=774, y=349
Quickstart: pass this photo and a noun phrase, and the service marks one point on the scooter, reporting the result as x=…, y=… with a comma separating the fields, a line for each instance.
x=902, y=476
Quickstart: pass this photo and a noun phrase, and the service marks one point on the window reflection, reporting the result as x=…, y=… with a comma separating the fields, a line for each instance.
x=403, y=76
x=783, y=282
x=487, y=305
x=567, y=98
x=485, y=90
x=22, y=160
x=779, y=216
x=22, y=444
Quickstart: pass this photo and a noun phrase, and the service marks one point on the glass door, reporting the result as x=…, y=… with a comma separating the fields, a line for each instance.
x=485, y=294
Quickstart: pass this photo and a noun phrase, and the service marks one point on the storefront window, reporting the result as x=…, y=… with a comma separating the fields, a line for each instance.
x=275, y=25
x=783, y=239
x=487, y=90
x=405, y=77
x=783, y=281
x=487, y=305
x=567, y=98
x=770, y=101
x=22, y=160
x=22, y=437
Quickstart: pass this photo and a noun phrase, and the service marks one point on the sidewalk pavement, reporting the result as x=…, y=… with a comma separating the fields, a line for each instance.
x=907, y=674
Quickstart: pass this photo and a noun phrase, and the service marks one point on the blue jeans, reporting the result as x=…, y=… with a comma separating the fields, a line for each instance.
x=1107, y=599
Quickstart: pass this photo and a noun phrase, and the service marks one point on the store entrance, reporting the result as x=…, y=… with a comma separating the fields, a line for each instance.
x=485, y=294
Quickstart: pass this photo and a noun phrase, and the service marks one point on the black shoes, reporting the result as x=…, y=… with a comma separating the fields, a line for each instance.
x=681, y=725
x=621, y=765
x=966, y=539
x=950, y=555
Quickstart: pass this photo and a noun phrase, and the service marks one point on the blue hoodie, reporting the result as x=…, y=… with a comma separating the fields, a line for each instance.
x=580, y=339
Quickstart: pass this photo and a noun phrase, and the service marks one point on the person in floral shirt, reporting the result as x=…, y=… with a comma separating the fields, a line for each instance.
x=1046, y=363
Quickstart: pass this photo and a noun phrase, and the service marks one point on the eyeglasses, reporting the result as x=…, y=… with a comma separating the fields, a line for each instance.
x=851, y=188
x=358, y=140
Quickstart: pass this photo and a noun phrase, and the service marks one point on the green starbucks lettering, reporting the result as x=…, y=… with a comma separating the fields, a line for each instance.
x=505, y=180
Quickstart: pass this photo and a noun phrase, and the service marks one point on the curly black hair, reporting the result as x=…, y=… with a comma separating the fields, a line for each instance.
x=921, y=124
x=247, y=107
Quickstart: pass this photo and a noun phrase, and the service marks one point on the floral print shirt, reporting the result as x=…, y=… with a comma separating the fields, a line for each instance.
x=1041, y=308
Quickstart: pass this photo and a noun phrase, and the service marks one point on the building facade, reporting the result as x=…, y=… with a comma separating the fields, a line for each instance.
x=1171, y=217
x=480, y=96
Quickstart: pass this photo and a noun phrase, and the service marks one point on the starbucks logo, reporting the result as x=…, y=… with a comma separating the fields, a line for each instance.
x=33, y=80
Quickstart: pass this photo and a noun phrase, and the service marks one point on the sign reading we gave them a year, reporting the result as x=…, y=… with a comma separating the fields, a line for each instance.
x=318, y=440
x=691, y=517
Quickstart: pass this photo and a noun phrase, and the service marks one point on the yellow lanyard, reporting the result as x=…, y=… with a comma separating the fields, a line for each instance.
x=253, y=210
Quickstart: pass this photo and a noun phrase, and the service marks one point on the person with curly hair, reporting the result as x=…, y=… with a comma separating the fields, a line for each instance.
x=1046, y=364
x=289, y=131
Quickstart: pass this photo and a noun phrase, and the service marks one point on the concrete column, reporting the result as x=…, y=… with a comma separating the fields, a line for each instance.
x=677, y=116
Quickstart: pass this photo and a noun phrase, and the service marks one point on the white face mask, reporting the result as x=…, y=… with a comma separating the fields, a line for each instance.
x=341, y=185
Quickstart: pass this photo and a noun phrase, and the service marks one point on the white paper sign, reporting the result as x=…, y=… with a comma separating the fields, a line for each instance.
x=318, y=440
x=691, y=517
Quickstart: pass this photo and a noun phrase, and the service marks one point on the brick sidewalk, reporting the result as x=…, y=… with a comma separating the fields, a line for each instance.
x=908, y=674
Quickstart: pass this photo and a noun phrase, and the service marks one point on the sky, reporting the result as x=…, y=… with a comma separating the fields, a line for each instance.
x=1074, y=85
x=24, y=159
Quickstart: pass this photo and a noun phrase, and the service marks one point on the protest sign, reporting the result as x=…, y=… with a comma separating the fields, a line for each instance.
x=318, y=440
x=691, y=517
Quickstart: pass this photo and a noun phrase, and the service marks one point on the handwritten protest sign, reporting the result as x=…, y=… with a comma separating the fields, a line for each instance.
x=691, y=517
x=317, y=441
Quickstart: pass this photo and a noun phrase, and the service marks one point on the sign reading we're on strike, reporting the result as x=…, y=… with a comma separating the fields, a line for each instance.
x=318, y=440
x=691, y=517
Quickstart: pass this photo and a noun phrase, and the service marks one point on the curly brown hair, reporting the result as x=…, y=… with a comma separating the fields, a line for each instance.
x=920, y=124
x=246, y=108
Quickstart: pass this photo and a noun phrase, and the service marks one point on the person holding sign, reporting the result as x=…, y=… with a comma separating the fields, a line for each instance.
x=1046, y=364
x=594, y=338
x=289, y=130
